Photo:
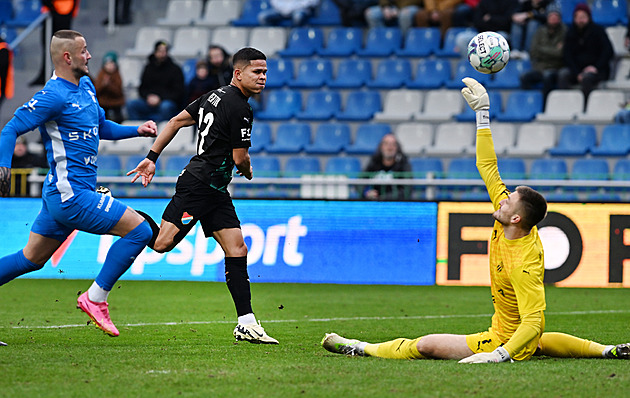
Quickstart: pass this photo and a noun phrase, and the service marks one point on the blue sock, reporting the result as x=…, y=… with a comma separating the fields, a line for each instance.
x=122, y=254
x=14, y=265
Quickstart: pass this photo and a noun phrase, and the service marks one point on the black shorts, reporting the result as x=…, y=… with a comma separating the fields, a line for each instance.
x=195, y=201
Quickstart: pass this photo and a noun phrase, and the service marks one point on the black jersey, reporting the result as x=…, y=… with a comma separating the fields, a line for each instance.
x=224, y=122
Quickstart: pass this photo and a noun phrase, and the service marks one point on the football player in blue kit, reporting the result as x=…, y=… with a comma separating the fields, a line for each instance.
x=71, y=123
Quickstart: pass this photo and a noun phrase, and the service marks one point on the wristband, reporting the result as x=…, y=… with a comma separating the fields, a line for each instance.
x=153, y=156
x=483, y=119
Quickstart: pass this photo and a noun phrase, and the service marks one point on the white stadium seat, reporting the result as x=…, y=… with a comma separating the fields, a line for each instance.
x=146, y=39
x=181, y=12
x=219, y=12
x=400, y=105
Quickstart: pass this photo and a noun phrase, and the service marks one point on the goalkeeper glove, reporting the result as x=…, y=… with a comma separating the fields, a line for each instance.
x=475, y=94
x=498, y=355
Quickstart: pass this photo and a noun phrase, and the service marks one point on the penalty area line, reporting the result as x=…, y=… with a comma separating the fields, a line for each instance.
x=356, y=318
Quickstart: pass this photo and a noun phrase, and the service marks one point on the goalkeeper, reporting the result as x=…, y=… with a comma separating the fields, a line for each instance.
x=516, y=280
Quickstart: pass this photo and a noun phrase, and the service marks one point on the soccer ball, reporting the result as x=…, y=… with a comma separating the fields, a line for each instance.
x=488, y=52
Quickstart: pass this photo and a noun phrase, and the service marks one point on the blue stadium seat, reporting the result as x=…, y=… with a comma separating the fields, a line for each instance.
x=110, y=165
x=279, y=72
x=559, y=196
x=510, y=76
x=368, y=137
x=175, y=164
x=464, y=69
x=450, y=48
x=297, y=166
x=575, y=140
x=261, y=137
x=348, y=166
x=250, y=11
x=522, y=106
x=420, y=42
x=280, y=105
x=330, y=138
x=468, y=114
x=391, y=73
x=431, y=74
x=609, y=12
x=312, y=73
x=320, y=105
x=381, y=42
x=342, y=42
x=421, y=167
x=25, y=12
x=361, y=106
x=567, y=7
x=463, y=168
x=603, y=198
x=589, y=169
x=615, y=141
x=352, y=73
x=6, y=11
x=512, y=168
x=547, y=169
x=327, y=14
x=303, y=42
x=266, y=166
x=189, y=69
x=621, y=171
x=291, y=138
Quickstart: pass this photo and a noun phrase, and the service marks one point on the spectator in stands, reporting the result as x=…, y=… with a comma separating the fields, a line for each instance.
x=587, y=53
x=295, y=11
x=437, y=13
x=392, y=12
x=61, y=13
x=464, y=13
x=161, y=90
x=530, y=15
x=352, y=12
x=201, y=83
x=387, y=163
x=122, y=13
x=546, y=54
x=495, y=15
x=219, y=67
x=623, y=116
x=23, y=159
x=6, y=72
x=109, y=88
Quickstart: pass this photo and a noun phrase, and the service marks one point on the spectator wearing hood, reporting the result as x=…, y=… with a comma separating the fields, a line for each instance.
x=162, y=88
x=109, y=88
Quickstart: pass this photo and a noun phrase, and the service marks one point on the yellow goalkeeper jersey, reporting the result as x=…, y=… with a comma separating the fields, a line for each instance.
x=516, y=267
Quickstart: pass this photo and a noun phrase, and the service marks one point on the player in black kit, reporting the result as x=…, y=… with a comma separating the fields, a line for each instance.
x=224, y=122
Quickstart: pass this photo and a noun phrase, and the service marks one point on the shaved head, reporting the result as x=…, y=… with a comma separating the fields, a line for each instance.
x=62, y=41
x=68, y=50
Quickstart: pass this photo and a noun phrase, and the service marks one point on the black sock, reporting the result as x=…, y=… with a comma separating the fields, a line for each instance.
x=237, y=281
x=154, y=227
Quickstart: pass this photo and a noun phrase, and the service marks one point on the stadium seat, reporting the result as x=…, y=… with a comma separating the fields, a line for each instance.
x=602, y=105
x=512, y=168
x=327, y=14
x=280, y=105
x=181, y=12
x=279, y=72
x=464, y=69
x=183, y=142
x=547, y=169
x=425, y=167
x=352, y=73
x=414, y=138
x=431, y=74
x=110, y=165
x=219, y=13
x=269, y=40
x=451, y=48
x=249, y=13
x=303, y=42
x=297, y=166
x=589, y=169
x=6, y=12
x=190, y=42
x=146, y=37
x=420, y=42
x=615, y=141
x=312, y=73
x=360, y=106
x=291, y=138
x=510, y=76
x=440, y=105
x=261, y=137
x=521, y=106
x=342, y=42
x=603, y=198
x=621, y=172
x=189, y=69
x=320, y=105
x=266, y=166
x=175, y=165
x=621, y=78
x=617, y=37
x=348, y=166
x=231, y=38
x=24, y=12
x=503, y=135
x=567, y=7
x=609, y=12
x=400, y=105
x=330, y=138
x=562, y=106
x=381, y=42
x=533, y=139
x=391, y=73
x=575, y=140
x=368, y=137
x=469, y=115
x=453, y=139
x=131, y=71
x=462, y=169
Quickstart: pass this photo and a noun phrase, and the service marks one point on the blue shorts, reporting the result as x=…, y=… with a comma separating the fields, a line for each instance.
x=86, y=211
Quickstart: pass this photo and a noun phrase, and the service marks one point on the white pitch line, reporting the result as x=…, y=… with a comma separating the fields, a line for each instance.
x=358, y=318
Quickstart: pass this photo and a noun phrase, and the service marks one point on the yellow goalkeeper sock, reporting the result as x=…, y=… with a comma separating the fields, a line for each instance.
x=563, y=345
x=395, y=349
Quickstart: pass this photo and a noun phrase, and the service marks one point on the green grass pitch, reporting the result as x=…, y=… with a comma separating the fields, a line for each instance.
x=176, y=340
